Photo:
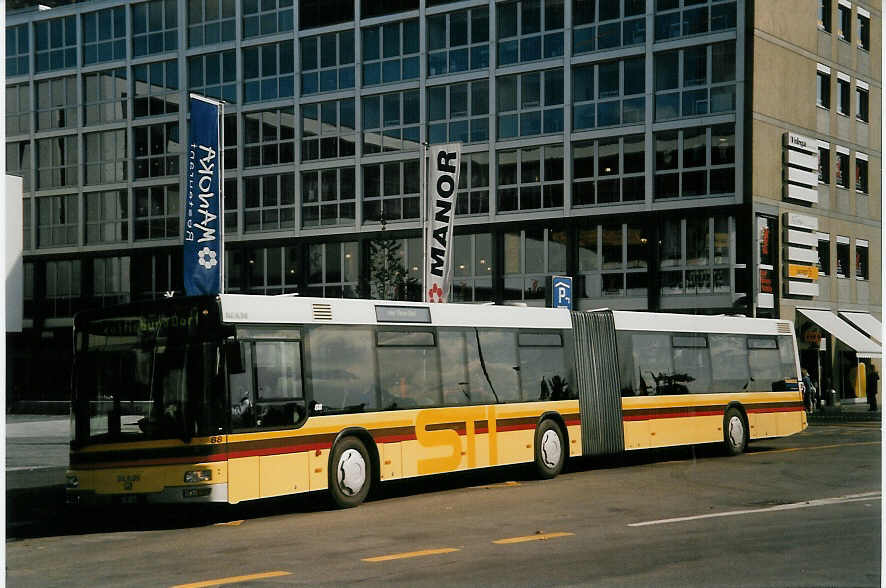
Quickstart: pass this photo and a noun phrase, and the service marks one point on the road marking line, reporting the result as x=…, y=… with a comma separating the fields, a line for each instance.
x=537, y=537
x=409, y=554
x=834, y=446
x=793, y=506
x=234, y=579
x=230, y=524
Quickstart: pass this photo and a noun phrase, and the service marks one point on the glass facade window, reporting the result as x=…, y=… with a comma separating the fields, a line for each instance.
x=18, y=162
x=861, y=260
x=681, y=18
x=269, y=202
x=823, y=89
x=105, y=96
x=18, y=110
x=842, y=96
x=530, y=178
x=333, y=269
x=55, y=44
x=864, y=32
x=110, y=280
x=57, y=101
x=373, y=8
x=214, y=74
x=824, y=165
x=842, y=257
x=273, y=270
x=321, y=13
x=861, y=175
x=844, y=16
x=154, y=27
x=156, y=150
x=231, y=206
x=395, y=269
x=824, y=15
x=841, y=172
x=706, y=85
x=608, y=171
x=612, y=259
x=327, y=62
x=695, y=256
x=156, y=212
x=459, y=112
x=269, y=137
x=391, y=122
x=104, y=35
x=155, y=88
x=530, y=104
x=107, y=217
x=57, y=162
x=18, y=51
x=530, y=256
x=391, y=191
x=62, y=287
x=472, y=268
x=268, y=72
x=27, y=232
x=105, y=157
x=328, y=197
x=529, y=30
x=473, y=184
x=328, y=130
x=607, y=24
x=693, y=163
x=824, y=254
x=154, y=274
x=458, y=41
x=211, y=21
x=390, y=52
x=57, y=220
x=861, y=104
x=616, y=98
x=266, y=17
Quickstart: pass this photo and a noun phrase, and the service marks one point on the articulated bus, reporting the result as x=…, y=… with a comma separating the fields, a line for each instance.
x=236, y=397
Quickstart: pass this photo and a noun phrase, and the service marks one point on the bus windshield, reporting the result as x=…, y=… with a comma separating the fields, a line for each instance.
x=151, y=375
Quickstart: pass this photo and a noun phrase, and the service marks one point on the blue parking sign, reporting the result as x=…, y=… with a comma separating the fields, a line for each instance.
x=561, y=292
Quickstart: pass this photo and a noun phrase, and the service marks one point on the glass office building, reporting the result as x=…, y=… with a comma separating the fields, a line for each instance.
x=607, y=140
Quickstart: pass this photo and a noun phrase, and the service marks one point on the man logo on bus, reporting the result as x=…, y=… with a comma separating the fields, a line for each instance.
x=207, y=258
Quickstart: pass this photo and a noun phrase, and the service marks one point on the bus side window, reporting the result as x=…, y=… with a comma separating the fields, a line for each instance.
x=342, y=369
x=241, y=393
x=766, y=370
x=653, y=363
x=692, y=365
x=542, y=366
x=729, y=353
x=278, y=376
x=408, y=369
x=499, y=354
x=625, y=346
x=461, y=370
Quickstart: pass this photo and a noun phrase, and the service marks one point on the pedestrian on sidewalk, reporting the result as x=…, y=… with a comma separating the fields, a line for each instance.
x=808, y=391
x=872, y=378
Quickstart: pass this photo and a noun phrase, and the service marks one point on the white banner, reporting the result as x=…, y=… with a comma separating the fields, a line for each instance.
x=445, y=162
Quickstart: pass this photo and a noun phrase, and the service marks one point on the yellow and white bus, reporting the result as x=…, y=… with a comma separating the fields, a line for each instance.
x=236, y=397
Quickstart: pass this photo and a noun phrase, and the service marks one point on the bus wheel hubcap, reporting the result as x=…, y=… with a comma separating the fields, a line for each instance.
x=550, y=449
x=351, y=472
x=736, y=431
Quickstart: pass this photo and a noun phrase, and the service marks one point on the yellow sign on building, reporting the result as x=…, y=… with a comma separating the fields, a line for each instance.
x=810, y=272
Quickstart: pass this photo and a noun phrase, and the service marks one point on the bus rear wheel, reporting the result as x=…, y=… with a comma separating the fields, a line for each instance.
x=350, y=473
x=550, y=449
x=735, y=432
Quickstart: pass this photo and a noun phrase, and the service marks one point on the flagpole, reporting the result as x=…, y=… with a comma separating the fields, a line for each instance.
x=221, y=194
x=423, y=205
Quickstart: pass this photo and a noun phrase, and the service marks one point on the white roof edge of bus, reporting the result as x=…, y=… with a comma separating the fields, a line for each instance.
x=254, y=309
x=627, y=320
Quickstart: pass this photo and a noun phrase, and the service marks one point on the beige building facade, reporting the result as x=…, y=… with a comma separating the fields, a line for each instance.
x=816, y=156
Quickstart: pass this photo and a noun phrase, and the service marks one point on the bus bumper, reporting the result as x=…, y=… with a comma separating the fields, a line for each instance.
x=169, y=495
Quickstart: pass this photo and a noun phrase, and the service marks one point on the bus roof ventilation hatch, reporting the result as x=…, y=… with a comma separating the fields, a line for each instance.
x=784, y=328
x=322, y=312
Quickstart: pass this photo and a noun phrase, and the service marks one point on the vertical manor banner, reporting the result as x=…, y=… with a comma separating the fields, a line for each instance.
x=445, y=162
x=203, y=206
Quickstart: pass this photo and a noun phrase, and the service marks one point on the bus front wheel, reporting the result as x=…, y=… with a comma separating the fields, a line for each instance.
x=350, y=473
x=550, y=449
x=735, y=432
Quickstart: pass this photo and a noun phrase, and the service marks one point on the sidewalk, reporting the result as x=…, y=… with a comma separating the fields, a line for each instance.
x=846, y=412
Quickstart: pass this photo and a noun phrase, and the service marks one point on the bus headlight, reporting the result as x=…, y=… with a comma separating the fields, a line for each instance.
x=72, y=481
x=198, y=476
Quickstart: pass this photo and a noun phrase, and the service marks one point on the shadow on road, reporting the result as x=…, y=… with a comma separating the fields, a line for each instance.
x=42, y=512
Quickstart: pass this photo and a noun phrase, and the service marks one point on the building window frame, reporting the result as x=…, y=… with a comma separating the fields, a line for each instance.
x=328, y=197
x=529, y=104
x=391, y=52
x=105, y=157
x=328, y=130
x=391, y=122
x=211, y=22
x=536, y=183
x=269, y=202
x=104, y=35
x=156, y=212
x=268, y=72
x=269, y=137
x=154, y=27
x=529, y=30
x=458, y=41
x=327, y=62
x=156, y=150
x=459, y=112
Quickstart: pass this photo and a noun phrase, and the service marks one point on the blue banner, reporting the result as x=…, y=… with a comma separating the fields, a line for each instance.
x=203, y=247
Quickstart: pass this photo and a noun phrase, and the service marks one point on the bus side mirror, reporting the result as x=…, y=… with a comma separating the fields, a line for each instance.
x=233, y=357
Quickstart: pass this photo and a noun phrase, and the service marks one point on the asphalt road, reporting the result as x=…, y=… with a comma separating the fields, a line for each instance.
x=801, y=511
